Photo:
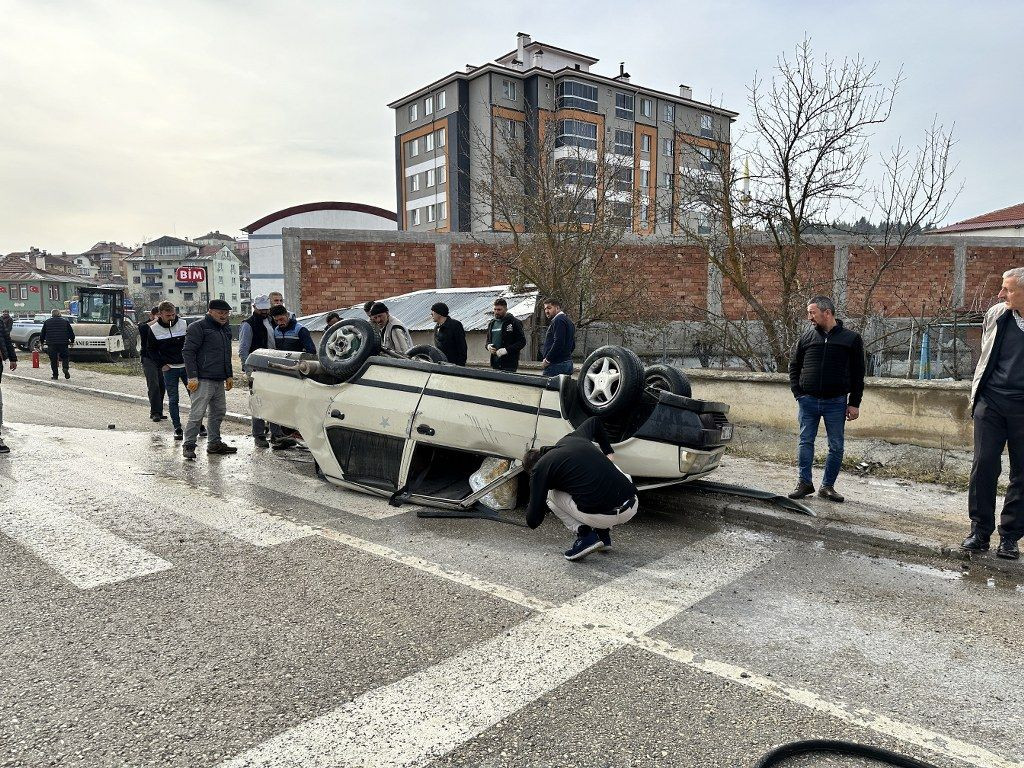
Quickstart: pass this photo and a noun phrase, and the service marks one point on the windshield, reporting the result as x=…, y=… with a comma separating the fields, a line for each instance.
x=95, y=307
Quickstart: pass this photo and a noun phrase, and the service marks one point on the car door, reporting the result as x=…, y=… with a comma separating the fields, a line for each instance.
x=368, y=424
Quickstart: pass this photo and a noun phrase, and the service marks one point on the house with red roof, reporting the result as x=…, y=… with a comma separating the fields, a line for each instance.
x=1006, y=222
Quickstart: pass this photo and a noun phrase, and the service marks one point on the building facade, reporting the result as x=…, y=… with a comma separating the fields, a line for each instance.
x=105, y=262
x=266, y=256
x=26, y=290
x=153, y=275
x=1006, y=222
x=445, y=139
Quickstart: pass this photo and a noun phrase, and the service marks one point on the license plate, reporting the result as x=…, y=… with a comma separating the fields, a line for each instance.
x=727, y=432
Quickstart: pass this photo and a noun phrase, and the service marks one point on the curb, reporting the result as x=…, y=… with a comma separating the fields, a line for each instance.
x=239, y=418
x=861, y=538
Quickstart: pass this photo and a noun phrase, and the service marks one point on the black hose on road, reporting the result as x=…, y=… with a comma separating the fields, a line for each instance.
x=847, y=748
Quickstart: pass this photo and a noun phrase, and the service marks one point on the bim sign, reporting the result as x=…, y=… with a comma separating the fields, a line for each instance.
x=190, y=274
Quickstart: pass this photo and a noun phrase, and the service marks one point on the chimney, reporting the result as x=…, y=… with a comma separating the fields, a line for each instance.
x=537, y=57
x=522, y=40
x=685, y=91
x=623, y=74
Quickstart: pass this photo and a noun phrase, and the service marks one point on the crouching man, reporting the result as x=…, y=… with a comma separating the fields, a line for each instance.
x=583, y=488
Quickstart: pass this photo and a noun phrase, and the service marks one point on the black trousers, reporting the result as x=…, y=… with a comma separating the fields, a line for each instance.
x=998, y=422
x=155, y=387
x=57, y=352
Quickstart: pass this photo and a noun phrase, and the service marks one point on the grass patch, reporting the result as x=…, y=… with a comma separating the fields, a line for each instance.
x=121, y=368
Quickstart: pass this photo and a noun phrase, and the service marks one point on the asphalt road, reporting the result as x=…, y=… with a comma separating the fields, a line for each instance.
x=237, y=612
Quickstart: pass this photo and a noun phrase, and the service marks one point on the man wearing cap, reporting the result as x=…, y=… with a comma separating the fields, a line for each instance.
x=207, y=356
x=256, y=332
x=449, y=335
x=393, y=335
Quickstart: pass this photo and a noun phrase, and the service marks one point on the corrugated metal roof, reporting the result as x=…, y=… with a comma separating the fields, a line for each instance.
x=473, y=307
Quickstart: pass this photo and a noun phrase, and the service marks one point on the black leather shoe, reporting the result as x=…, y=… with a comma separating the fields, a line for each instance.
x=802, y=489
x=1008, y=549
x=975, y=543
x=828, y=493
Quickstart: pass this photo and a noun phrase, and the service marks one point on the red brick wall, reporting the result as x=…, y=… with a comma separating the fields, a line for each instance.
x=337, y=274
x=342, y=274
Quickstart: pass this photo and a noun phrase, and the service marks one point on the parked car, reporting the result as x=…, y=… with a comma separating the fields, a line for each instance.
x=416, y=428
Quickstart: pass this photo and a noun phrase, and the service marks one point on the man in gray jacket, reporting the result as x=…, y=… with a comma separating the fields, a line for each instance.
x=997, y=404
x=207, y=356
x=393, y=334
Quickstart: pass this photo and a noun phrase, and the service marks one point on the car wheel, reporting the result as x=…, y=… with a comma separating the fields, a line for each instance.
x=35, y=344
x=346, y=345
x=427, y=353
x=666, y=378
x=611, y=381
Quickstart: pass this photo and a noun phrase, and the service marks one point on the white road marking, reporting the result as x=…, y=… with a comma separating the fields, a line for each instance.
x=81, y=552
x=434, y=711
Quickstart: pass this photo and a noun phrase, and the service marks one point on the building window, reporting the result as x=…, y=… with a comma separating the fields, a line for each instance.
x=442, y=211
x=508, y=89
x=706, y=126
x=666, y=179
x=645, y=142
x=624, y=106
x=428, y=105
x=645, y=178
x=430, y=142
x=441, y=175
x=576, y=133
x=624, y=143
x=670, y=113
x=646, y=107
x=414, y=183
x=187, y=296
x=645, y=212
x=170, y=290
x=666, y=147
x=622, y=179
x=622, y=214
x=572, y=94
x=441, y=101
x=136, y=280
x=414, y=217
x=706, y=158
x=54, y=293
x=510, y=128
x=414, y=112
x=431, y=178
x=430, y=213
x=221, y=296
x=24, y=291
x=441, y=134
x=575, y=172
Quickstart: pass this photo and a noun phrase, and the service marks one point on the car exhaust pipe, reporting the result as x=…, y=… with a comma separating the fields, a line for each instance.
x=309, y=368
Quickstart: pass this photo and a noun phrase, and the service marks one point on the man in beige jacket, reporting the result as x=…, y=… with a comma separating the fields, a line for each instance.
x=997, y=405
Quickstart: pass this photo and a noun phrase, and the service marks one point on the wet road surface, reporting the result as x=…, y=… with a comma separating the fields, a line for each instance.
x=237, y=611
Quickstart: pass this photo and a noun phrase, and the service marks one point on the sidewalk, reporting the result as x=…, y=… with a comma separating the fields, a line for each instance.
x=891, y=515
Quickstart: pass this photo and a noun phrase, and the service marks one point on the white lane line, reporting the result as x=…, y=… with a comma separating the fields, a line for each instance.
x=81, y=552
x=432, y=712
x=323, y=493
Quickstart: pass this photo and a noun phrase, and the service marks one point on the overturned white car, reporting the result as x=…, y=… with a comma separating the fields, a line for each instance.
x=417, y=429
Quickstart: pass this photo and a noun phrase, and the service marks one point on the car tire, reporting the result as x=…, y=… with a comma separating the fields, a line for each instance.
x=667, y=378
x=428, y=353
x=346, y=346
x=611, y=381
x=35, y=343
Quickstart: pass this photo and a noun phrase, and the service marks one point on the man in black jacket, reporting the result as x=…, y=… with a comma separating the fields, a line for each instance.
x=505, y=338
x=449, y=335
x=6, y=353
x=826, y=374
x=58, y=335
x=155, y=388
x=207, y=357
x=583, y=488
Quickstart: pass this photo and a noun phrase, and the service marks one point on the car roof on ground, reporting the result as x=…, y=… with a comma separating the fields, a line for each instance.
x=473, y=307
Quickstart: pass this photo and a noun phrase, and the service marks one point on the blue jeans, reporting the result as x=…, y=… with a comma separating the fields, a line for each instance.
x=556, y=368
x=811, y=411
x=171, y=379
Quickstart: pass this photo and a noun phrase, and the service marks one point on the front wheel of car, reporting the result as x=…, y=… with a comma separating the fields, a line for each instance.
x=346, y=346
x=611, y=381
x=667, y=378
x=427, y=353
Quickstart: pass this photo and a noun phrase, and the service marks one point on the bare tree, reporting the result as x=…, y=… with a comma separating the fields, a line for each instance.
x=566, y=199
x=806, y=155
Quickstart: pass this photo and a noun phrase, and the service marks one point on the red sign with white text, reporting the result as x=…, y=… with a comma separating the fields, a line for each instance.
x=190, y=274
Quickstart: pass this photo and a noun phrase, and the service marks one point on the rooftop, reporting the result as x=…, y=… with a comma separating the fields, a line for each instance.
x=167, y=241
x=1012, y=216
x=322, y=206
x=13, y=268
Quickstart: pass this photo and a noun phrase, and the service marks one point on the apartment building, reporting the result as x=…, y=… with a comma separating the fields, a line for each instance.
x=153, y=275
x=445, y=138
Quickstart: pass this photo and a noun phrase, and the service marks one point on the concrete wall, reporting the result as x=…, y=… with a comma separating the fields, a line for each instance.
x=928, y=413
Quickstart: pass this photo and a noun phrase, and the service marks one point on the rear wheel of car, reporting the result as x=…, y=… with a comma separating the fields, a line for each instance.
x=666, y=378
x=427, y=353
x=611, y=380
x=346, y=346
x=35, y=343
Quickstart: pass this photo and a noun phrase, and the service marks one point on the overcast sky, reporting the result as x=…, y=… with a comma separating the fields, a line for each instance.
x=128, y=120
